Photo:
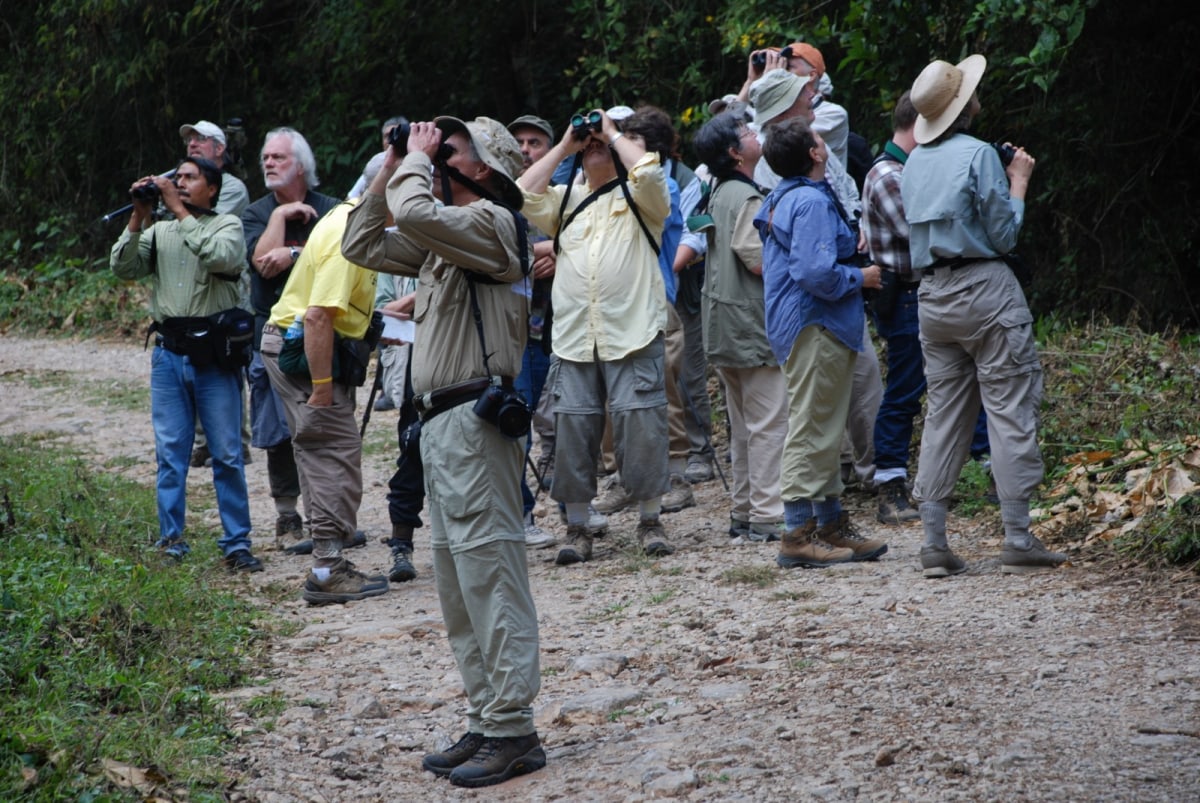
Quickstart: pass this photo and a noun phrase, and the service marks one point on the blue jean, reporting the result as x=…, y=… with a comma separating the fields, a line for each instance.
x=179, y=393
x=529, y=383
x=905, y=388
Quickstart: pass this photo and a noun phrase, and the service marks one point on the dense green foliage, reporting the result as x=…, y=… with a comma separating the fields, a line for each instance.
x=93, y=93
x=104, y=654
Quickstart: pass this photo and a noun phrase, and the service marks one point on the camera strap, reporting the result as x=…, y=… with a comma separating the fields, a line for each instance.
x=621, y=180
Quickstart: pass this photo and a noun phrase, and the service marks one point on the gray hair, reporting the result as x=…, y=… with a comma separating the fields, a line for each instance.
x=300, y=150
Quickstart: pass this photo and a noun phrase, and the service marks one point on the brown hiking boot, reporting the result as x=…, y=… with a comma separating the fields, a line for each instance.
x=679, y=497
x=498, y=759
x=578, y=548
x=801, y=547
x=652, y=538
x=614, y=497
x=844, y=535
x=1033, y=559
x=344, y=584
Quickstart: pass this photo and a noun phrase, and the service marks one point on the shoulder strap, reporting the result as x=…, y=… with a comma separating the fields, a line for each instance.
x=622, y=176
x=775, y=203
x=588, y=201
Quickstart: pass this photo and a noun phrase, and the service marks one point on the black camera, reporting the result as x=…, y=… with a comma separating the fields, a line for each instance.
x=505, y=409
x=583, y=124
x=147, y=191
x=1005, y=151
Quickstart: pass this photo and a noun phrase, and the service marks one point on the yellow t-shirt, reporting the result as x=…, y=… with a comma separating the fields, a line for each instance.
x=322, y=277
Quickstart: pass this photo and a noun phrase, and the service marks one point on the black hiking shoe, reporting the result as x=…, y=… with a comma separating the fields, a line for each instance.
x=242, y=561
x=443, y=763
x=498, y=759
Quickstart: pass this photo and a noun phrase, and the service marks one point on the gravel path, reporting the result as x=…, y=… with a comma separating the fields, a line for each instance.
x=706, y=675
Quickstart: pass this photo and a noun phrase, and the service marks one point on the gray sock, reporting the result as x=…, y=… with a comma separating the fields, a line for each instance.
x=933, y=517
x=1015, y=515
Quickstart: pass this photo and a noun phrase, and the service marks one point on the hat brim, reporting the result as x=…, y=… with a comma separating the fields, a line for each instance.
x=768, y=113
x=505, y=184
x=927, y=129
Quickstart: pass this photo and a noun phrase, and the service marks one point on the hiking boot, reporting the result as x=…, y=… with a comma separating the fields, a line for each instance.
x=652, y=538
x=535, y=536
x=762, y=533
x=345, y=583
x=843, y=534
x=802, y=547
x=738, y=529
x=200, y=457
x=545, y=469
x=698, y=470
x=289, y=528
x=498, y=759
x=1033, y=559
x=240, y=560
x=174, y=548
x=680, y=495
x=402, y=552
x=894, y=507
x=441, y=764
x=578, y=548
x=614, y=496
x=939, y=561
x=305, y=547
x=383, y=403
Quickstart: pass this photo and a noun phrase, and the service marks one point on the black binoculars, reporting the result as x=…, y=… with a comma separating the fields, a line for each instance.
x=584, y=124
x=398, y=139
x=759, y=59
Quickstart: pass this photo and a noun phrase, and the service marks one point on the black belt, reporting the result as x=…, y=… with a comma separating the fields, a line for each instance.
x=955, y=263
x=439, y=401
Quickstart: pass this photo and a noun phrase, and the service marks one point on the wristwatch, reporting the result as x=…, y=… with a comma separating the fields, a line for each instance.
x=295, y=253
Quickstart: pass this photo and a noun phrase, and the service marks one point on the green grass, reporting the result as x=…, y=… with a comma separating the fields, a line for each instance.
x=759, y=576
x=106, y=653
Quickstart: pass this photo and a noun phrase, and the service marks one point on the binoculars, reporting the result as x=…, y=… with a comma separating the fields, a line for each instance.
x=583, y=124
x=398, y=138
x=759, y=59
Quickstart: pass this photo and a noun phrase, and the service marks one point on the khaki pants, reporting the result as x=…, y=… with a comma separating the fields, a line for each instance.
x=977, y=340
x=758, y=423
x=472, y=479
x=819, y=373
x=328, y=452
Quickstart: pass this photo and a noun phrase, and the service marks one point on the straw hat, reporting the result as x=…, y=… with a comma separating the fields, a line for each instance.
x=941, y=92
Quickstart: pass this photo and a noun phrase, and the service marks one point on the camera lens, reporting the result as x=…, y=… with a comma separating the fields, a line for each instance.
x=594, y=118
x=577, y=121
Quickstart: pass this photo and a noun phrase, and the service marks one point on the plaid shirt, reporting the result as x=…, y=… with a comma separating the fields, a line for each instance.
x=883, y=218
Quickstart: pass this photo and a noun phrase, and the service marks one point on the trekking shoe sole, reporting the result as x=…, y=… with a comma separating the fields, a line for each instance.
x=804, y=563
x=333, y=598
x=942, y=571
x=532, y=761
x=658, y=549
x=1016, y=568
x=870, y=555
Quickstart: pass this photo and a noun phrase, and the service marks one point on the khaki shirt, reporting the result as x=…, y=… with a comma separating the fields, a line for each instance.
x=439, y=245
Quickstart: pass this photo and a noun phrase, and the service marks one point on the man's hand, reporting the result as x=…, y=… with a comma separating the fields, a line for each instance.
x=544, y=259
x=871, y=277
x=274, y=262
x=424, y=138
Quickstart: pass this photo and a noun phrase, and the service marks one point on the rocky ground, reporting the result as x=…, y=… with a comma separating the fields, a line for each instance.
x=705, y=675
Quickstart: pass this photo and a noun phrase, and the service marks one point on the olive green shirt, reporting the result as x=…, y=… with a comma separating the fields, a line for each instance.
x=196, y=267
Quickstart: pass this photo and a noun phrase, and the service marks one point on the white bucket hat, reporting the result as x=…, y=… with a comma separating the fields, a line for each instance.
x=941, y=92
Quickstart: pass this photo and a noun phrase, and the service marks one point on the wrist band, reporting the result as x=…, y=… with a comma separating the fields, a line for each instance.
x=324, y=381
x=613, y=139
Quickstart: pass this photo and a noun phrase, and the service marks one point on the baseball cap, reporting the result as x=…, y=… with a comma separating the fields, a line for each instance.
x=532, y=121
x=205, y=129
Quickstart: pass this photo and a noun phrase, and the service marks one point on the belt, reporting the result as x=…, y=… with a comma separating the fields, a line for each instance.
x=436, y=402
x=957, y=263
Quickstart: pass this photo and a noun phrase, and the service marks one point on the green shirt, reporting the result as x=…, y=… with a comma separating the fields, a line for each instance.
x=196, y=266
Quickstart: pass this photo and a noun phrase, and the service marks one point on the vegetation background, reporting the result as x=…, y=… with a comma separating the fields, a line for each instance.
x=92, y=94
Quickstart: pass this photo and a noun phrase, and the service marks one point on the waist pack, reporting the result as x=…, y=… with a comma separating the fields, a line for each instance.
x=350, y=357
x=223, y=339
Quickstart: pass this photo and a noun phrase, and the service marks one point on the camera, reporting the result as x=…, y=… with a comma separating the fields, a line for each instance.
x=147, y=191
x=398, y=138
x=505, y=409
x=583, y=124
x=1005, y=151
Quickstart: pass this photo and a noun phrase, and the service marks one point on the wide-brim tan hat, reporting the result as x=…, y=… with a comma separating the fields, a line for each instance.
x=775, y=93
x=941, y=92
x=498, y=150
